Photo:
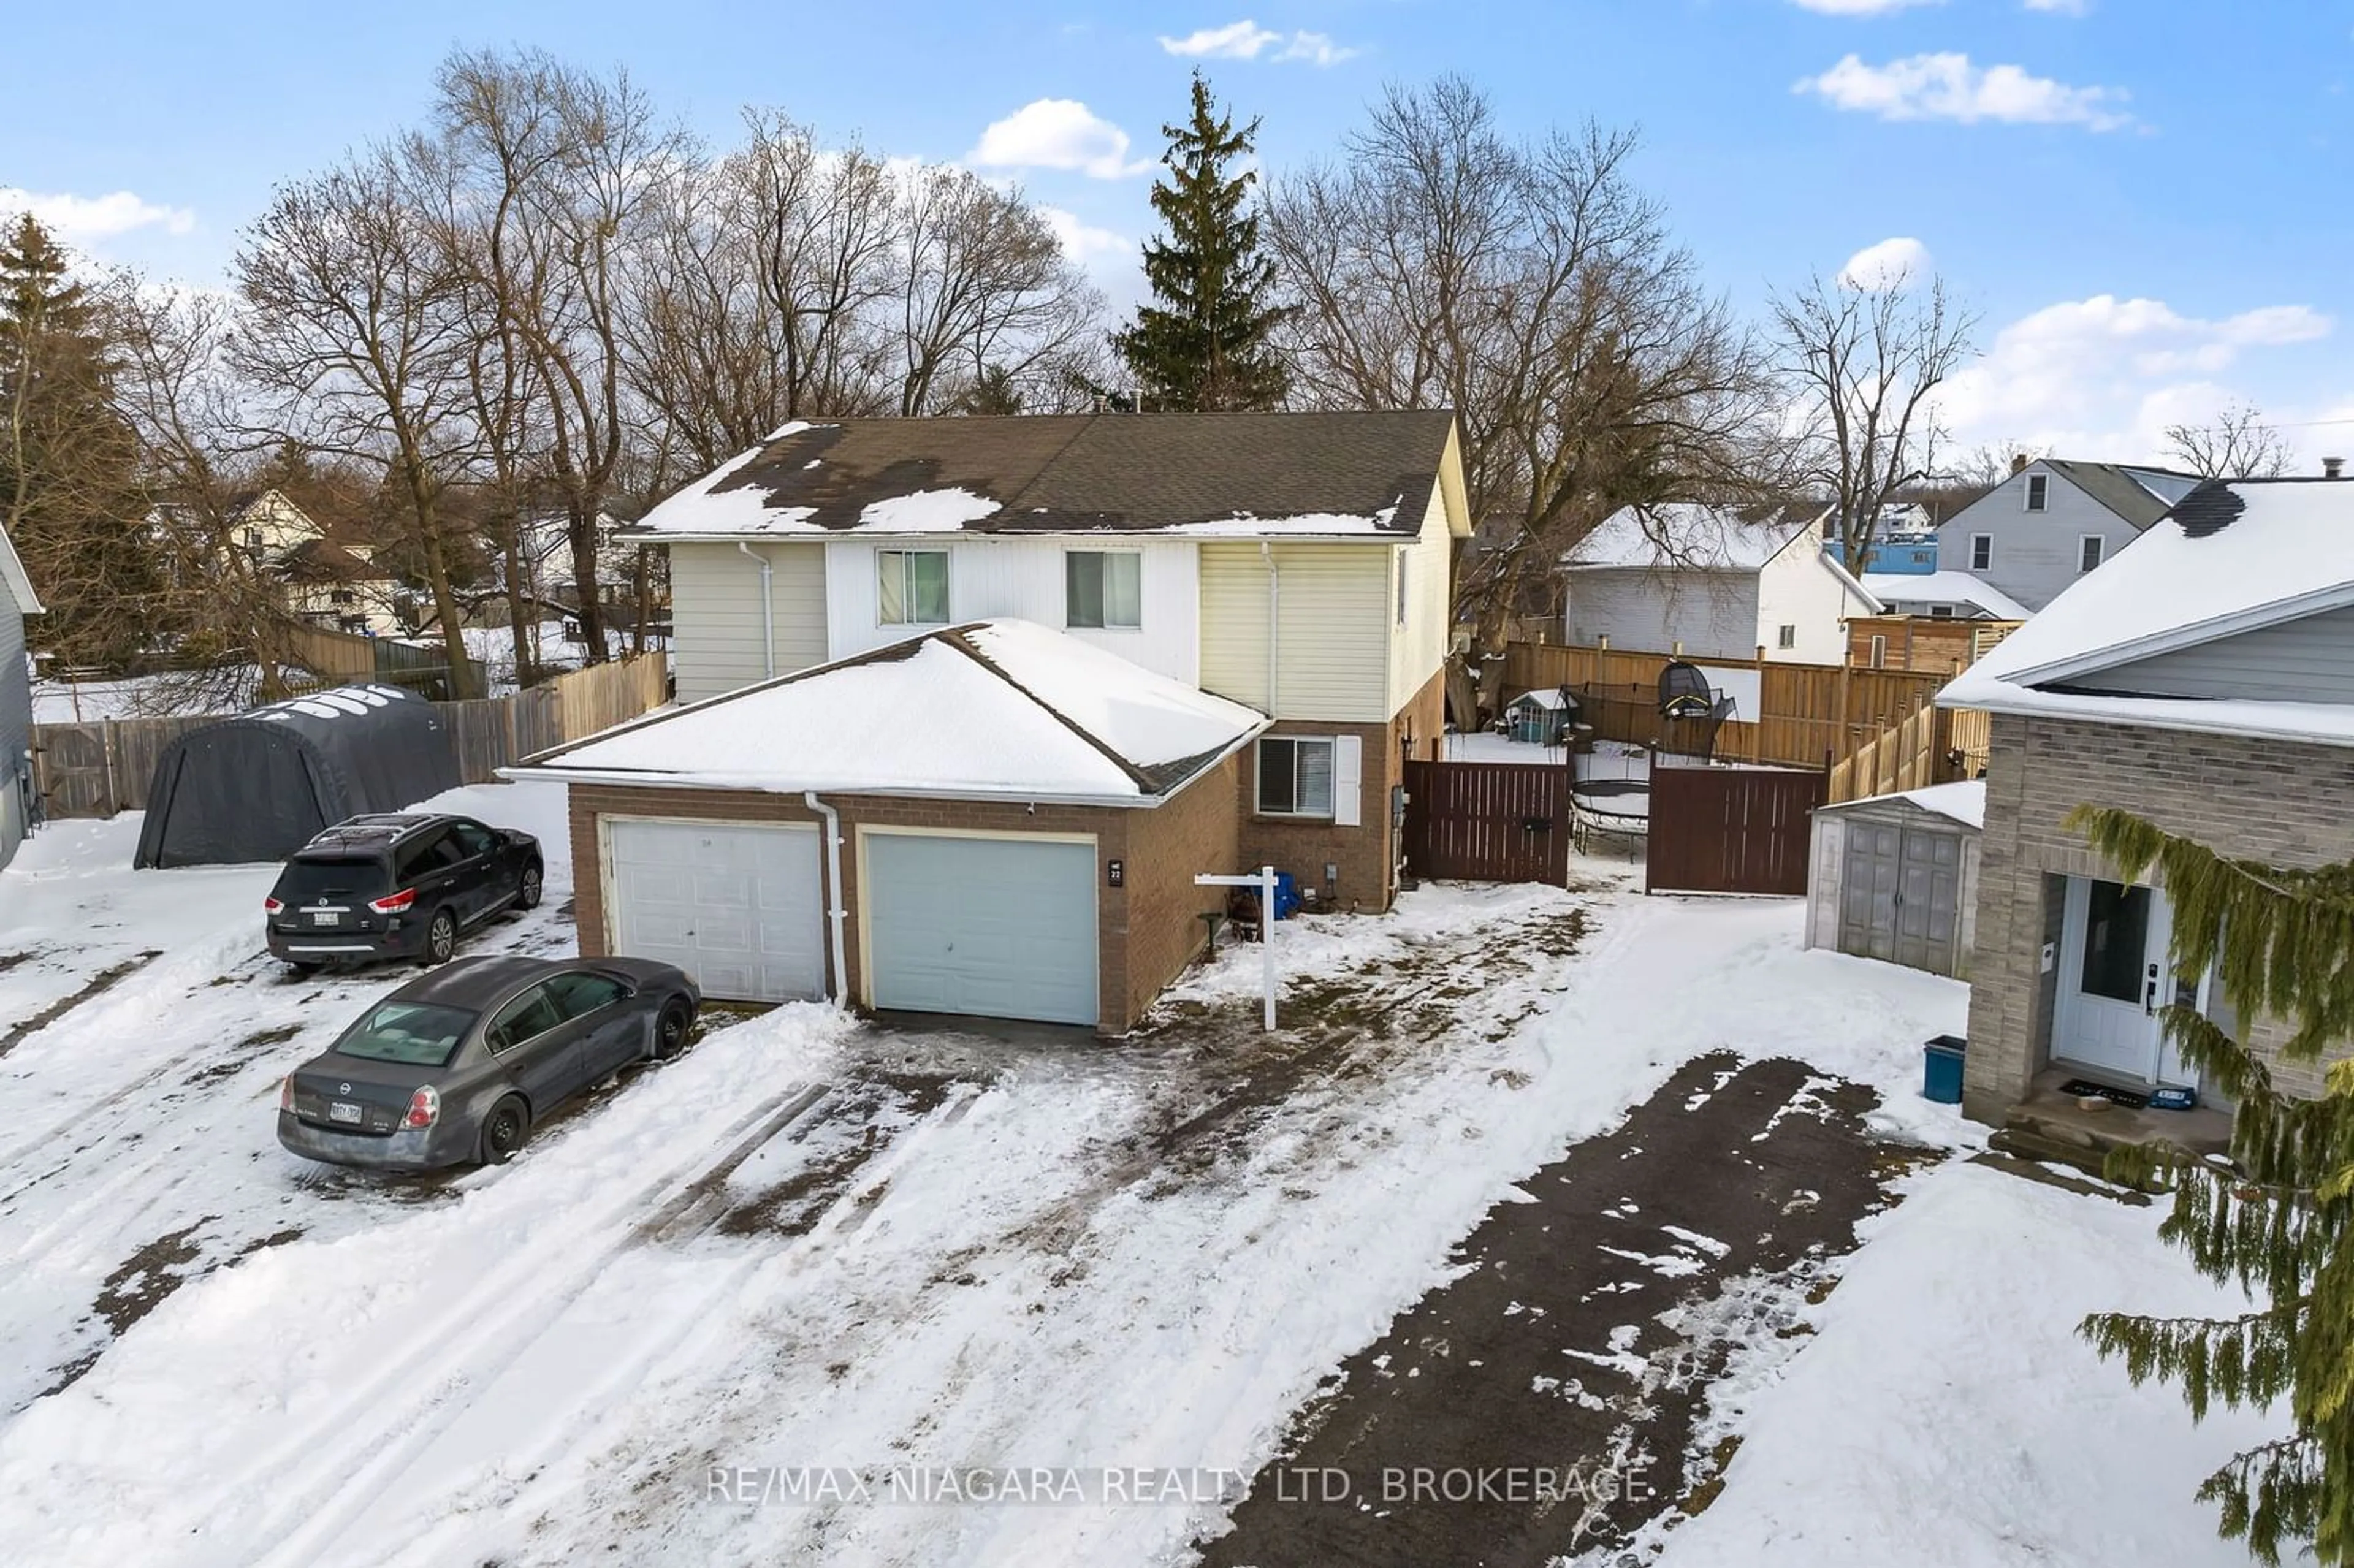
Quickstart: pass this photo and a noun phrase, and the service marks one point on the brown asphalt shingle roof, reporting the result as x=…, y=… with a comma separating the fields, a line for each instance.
x=1052, y=473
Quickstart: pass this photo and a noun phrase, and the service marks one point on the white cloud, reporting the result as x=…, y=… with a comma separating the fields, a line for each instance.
x=1863, y=7
x=2103, y=377
x=1056, y=133
x=85, y=220
x=1084, y=242
x=1948, y=87
x=2061, y=7
x=1888, y=265
x=1246, y=41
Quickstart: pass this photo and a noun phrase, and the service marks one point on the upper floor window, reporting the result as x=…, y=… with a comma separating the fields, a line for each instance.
x=1941, y=612
x=2039, y=491
x=2088, y=552
x=1103, y=589
x=911, y=587
x=253, y=538
x=1981, y=552
x=1788, y=637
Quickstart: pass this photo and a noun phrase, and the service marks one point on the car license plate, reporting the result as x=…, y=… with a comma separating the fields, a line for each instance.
x=326, y=917
x=340, y=1110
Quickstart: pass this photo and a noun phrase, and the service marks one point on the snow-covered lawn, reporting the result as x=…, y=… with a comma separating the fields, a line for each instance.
x=1947, y=1415
x=812, y=1242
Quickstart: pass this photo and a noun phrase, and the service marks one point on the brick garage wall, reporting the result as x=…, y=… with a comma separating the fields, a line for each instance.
x=2286, y=804
x=1197, y=832
x=1156, y=928
x=1364, y=854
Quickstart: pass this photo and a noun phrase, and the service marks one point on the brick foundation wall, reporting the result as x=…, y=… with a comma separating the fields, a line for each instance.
x=1146, y=930
x=2283, y=803
x=1365, y=854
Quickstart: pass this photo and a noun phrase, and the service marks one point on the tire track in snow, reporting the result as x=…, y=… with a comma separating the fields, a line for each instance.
x=337, y=1469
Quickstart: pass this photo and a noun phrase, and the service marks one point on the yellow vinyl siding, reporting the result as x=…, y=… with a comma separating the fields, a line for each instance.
x=717, y=644
x=1332, y=634
x=1418, y=649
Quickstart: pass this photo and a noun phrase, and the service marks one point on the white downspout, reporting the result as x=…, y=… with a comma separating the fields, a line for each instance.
x=768, y=608
x=835, y=912
x=1274, y=618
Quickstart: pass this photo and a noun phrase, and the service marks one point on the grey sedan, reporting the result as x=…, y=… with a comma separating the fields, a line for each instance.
x=457, y=1067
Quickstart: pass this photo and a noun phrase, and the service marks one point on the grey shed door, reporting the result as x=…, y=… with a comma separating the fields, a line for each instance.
x=1900, y=897
x=993, y=928
x=738, y=905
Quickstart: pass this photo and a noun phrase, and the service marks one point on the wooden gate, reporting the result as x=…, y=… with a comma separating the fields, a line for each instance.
x=1488, y=822
x=1730, y=830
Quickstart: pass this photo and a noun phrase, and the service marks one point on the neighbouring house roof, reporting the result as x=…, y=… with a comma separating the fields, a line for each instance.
x=1692, y=537
x=992, y=710
x=324, y=561
x=2136, y=494
x=1944, y=586
x=1238, y=475
x=2231, y=557
x=12, y=572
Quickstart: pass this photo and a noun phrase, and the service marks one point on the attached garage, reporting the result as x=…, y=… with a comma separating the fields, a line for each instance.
x=992, y=820
x=993, y=928
x=1895, y=877
x=738, y=905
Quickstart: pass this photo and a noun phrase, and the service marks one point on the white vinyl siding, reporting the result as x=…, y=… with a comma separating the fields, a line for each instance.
x=717, y=640
x=1800, y=592
x=1332, y=634
x=1024, y=579
x=1713, y=614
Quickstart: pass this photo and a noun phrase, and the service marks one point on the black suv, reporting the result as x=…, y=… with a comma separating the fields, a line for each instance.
x=397, y=886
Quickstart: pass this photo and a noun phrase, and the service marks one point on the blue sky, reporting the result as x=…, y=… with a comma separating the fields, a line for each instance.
x=2147, y=200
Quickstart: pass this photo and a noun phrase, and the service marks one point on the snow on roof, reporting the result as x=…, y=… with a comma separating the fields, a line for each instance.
x=1002, y=709
x=2230, y=559
x=1944, y=586
x=1965, y=802
x=1689, y=535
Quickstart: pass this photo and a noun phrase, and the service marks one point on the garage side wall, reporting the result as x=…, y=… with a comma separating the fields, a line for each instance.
x=1147, y=930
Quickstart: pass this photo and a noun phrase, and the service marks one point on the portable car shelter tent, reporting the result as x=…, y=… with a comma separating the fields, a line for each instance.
x=257, y=786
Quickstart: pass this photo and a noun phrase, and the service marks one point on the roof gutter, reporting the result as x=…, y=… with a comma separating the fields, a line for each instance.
x=525, y=773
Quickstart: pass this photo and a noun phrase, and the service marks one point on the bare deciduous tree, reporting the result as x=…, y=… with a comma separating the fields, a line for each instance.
x=2238, y=445
x=1864, y=359
x=356, y=340
x=1532, y=288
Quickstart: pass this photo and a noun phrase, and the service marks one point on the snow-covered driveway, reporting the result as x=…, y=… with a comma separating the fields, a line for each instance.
x=812, y=1242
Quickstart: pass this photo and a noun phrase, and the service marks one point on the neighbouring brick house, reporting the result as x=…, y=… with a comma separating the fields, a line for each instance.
x=1300, y=564
x=2203, y=678
x=992, y=820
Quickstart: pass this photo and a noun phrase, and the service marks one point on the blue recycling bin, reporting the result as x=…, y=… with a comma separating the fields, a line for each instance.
x=1286, y=895
x=1941, y=1069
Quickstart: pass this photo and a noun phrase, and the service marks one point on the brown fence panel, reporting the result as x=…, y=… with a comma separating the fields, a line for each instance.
x=1488, y=822
x=103, y=766
x=1730, y=830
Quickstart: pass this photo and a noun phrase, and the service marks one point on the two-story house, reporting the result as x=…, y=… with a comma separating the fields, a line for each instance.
x=16, y=602
x=328, y=575
x=1711, y=582
x=1239, y=621
x=2053, y=521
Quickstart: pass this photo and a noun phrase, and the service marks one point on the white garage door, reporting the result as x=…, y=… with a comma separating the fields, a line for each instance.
x=737, y=906
x=991, y=927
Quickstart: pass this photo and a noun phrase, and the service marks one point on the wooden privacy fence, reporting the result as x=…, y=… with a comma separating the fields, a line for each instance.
x=1730, y=830
x=99, y=769
x=1806, y=714
x=1488, y=822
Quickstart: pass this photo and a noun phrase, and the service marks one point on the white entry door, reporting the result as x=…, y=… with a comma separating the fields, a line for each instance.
x=2113, y=981
x=738, y=905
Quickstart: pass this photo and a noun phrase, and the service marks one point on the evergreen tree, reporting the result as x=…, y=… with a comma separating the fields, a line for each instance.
x=1203, y=346
x=2282, y=943
x=71, y=490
